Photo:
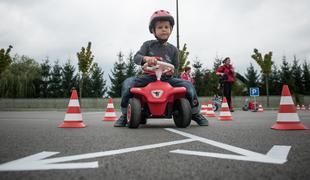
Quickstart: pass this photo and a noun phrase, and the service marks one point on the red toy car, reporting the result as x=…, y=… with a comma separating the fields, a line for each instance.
x=158, y=100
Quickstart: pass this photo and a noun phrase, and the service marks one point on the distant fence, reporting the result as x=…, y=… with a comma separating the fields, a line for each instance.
x=95, y=104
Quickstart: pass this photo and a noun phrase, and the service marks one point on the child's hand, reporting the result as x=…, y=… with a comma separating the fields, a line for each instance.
x=168, y=72
x=151, y=61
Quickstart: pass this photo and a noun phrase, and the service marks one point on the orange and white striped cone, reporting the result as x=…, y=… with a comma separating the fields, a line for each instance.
x=303, y=107
x=210, y=112
x=225, y=114
x=110, y=114
x=203, y=110
x=287, y=118
x=298, y=107
x=73, y=117
x=260, y=108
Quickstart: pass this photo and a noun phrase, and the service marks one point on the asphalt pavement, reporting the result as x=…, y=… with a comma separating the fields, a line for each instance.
x=244, y=148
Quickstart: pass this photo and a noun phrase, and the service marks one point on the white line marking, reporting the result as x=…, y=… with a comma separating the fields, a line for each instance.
x=37, y=161
x=277, y=154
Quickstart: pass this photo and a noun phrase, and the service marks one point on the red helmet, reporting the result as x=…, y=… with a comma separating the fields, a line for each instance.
x=160, y=15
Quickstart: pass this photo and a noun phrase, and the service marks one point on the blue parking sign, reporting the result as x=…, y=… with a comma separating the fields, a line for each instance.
x=254, y=91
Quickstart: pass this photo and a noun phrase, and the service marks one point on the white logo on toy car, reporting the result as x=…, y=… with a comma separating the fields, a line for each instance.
x=157, y=93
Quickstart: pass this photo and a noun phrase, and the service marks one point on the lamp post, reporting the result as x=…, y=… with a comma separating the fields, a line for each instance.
x=177, y=7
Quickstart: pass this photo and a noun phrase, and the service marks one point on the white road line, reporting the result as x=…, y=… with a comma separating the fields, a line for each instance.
x=276, y=155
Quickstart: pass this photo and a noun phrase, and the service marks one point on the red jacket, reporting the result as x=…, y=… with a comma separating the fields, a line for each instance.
x=187, y=77
x=228, y=70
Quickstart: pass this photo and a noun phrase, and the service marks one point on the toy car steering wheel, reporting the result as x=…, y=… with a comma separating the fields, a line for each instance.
x=159, y=68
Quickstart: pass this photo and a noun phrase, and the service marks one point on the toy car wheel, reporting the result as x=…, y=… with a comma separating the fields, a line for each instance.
x=133, y=113
x=182, y=113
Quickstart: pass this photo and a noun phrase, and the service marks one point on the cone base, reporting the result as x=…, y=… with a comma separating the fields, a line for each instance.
x=72, y=124
x=210, y=115
x=289, y=126
x=109, y=119
x=225, y=118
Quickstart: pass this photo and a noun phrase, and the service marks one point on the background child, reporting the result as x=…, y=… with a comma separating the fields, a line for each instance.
x=186, y=75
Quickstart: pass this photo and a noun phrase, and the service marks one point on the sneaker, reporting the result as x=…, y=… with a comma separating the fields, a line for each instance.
x=121, y=122
x=200, y=119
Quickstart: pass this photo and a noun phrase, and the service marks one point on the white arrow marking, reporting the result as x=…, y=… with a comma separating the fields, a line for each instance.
x=276, y=155
x=37, y=161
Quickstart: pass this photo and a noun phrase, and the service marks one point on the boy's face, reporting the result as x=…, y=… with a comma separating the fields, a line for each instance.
x=162, y=29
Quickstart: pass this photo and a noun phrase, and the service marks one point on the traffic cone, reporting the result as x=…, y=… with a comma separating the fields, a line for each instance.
x=110, y=114
x=287, y=118
x=298, y=107
x=210, y=112
x=303, y=107
x=225, y=114
x=73, y=117
x=203, y=110
x=260, y=108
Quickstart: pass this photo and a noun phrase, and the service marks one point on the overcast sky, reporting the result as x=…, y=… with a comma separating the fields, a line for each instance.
x=59, y=28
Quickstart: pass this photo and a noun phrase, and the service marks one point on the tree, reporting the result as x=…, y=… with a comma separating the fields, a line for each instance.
x=217, y=63
x=214, y=85
x=265, y=63
x=183, y=54
x=130, y=66
x=98, y=88
x=198, y=78
x=285, y=75
x=239, y=88
x=306, y=77
x=45, y=77
x=6, y=83
x=210, y=81
x=275, y=84
x=68, y=78
x=5, y=59
x=118, y=76
x=85, y=59
x=20, y=78
x=252, y=77
x=297, y=77
x=55, y=87
x=296, y=80
x=87, y=86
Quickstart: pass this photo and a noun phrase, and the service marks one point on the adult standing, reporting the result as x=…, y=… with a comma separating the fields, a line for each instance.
x=227, y=73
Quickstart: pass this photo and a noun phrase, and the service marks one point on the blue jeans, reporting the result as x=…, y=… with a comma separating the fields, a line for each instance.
x=142, y=81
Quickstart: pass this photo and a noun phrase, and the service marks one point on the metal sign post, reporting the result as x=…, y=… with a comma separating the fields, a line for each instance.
x=253, y=93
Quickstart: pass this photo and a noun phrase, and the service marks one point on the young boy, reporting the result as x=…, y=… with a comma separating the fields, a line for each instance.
x=161, y=25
